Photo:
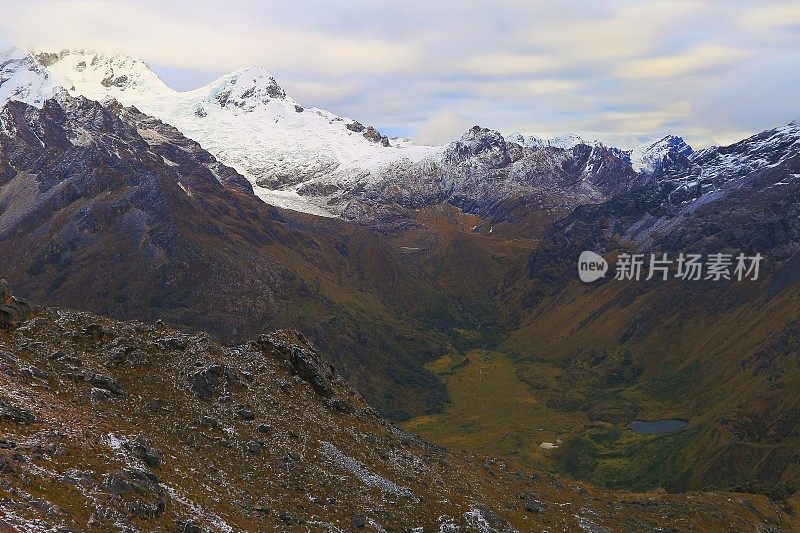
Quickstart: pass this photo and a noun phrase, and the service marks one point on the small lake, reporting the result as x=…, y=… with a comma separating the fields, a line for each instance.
x=652, y=427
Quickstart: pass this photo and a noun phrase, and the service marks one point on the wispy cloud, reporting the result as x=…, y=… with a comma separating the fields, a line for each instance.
x=504, y=64
x=176, y=34
x=705, y=58
x=441, y=127
x=772, y=16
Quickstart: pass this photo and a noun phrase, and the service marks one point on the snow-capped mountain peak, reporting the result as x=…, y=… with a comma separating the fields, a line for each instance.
x=566, y=141
x=96, y=75
x=245, y=88
x=23, y=78
x=312, y=160
x=244, y=118
x=652, y=157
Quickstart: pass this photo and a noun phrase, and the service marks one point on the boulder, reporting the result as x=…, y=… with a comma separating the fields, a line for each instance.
x=16, y=414
x=245, y=412
x=144, y=497
x=142, y=449
x=206, y=382
x=13, y=311
x=106, y=383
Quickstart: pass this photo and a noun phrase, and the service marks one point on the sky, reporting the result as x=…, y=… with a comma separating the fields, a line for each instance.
x=623, y=72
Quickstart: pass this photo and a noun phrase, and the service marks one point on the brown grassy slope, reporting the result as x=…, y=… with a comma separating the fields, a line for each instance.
x=733, y=374
x=111, y=424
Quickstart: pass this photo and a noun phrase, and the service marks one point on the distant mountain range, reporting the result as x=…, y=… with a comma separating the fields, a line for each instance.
x=311, y=160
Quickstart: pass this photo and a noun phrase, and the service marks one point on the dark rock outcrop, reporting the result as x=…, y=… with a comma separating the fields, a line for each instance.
x=209, y=382
x=16, y=414
x=141, y=448
x=106, y=383
x=371, y=134
x=13, y=311
x=138, y=492
x=306, y=362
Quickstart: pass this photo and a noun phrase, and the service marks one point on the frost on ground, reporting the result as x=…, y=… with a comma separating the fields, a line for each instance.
x=358, y=469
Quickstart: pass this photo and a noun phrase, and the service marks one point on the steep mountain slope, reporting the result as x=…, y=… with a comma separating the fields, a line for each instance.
x=126, y=426
x=721, y=354
x=140, y=222
x=566, y=141
x=24, y=79
x=661, y=156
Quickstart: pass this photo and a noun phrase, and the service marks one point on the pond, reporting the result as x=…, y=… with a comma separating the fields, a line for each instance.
x=652, y=427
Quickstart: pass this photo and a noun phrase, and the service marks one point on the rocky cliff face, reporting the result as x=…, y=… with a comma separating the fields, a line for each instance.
x=129, y=426
x=738, y=198
x=484, y=174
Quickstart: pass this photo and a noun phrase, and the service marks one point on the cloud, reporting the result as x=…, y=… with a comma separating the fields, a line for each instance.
x=638, y=122
x=613, y=32
x=700, y=59
x=441, y=127
x=189, y=40
x=772, y=16
x=503, y=63
x=331, y=91
x=616, y=70
x=524, y=89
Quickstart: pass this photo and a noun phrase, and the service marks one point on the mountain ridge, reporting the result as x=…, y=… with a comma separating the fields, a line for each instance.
x=322, y=162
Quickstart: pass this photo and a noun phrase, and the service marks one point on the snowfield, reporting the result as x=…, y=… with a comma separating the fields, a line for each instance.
x=244, y=119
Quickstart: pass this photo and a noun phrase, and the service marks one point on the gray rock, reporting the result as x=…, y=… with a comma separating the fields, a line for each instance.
x=371, y=134
x=99, y=395
x=142, y=449
x=33, y=372
x=206, y=383
x=18, y=415
x=311, y=367
x=355, y=126
x=188, y=527
x=534, y=506
x=106, y=383
x=245, y=412
x=208, y=422
x=13, y=311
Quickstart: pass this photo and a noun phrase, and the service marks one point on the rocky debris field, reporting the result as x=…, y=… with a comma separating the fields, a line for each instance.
x=125, y=426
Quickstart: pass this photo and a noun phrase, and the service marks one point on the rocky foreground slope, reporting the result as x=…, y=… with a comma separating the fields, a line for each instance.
x=125, y=426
